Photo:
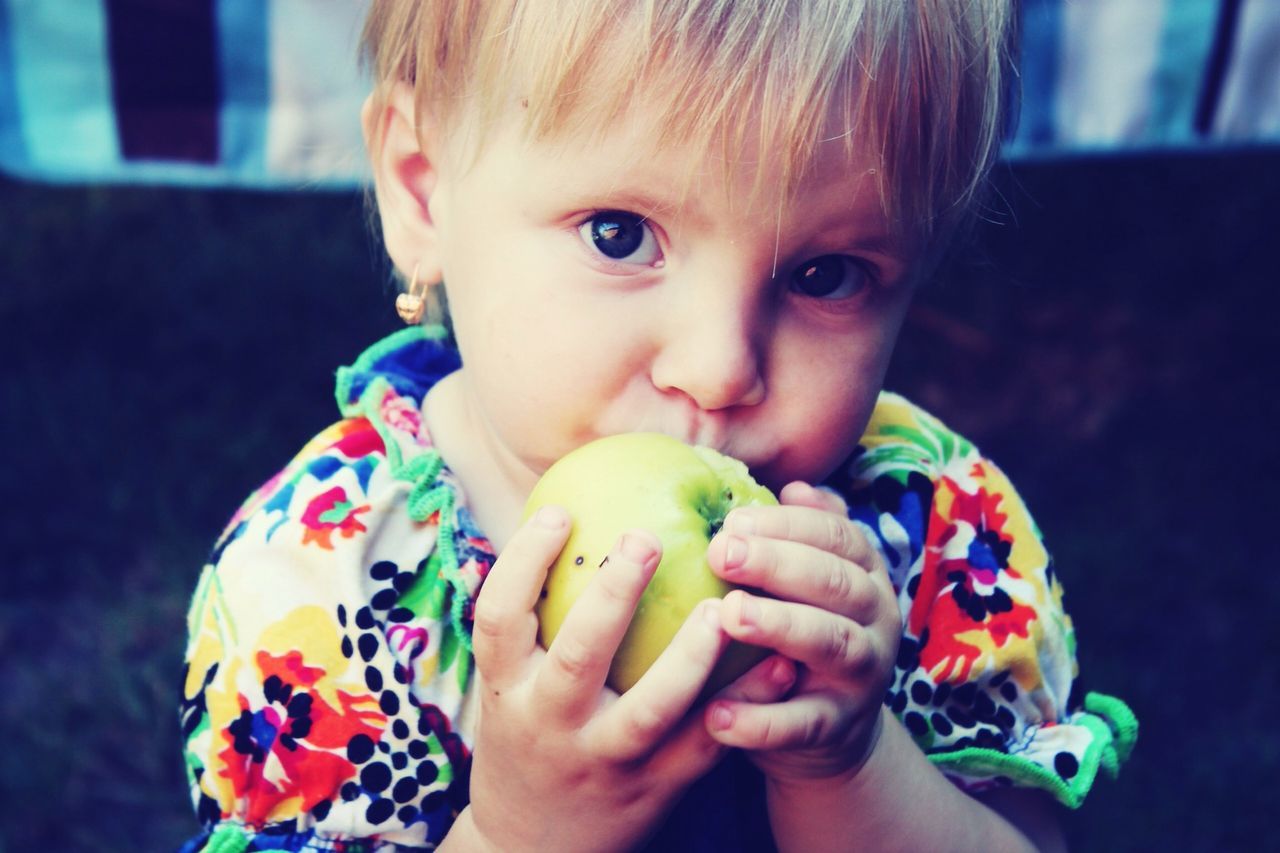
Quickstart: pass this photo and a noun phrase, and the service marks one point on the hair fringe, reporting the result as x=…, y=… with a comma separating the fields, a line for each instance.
x=919, y=87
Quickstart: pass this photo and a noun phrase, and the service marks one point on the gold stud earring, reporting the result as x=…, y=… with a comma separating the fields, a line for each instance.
x=412, y=303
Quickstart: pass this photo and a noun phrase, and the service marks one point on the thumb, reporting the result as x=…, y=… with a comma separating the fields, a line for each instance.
x=799, y=493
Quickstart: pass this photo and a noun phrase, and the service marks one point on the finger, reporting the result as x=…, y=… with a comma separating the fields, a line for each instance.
x=650, y=710
x=505, y=630
x=797, y=572
x=802, y=722
x=799, y=493
x=767, y=681
x=686, y=755
x=826, y=642
x=827, y=531
x=573, y=673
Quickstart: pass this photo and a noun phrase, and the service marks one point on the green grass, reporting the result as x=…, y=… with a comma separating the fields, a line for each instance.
x=167, y=350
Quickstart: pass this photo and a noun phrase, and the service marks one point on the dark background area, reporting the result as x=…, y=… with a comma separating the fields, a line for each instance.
x=1108, y=341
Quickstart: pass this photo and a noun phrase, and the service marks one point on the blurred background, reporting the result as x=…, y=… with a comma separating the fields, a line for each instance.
x=1107, y=338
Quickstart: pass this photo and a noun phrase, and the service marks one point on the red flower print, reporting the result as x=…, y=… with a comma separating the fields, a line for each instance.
x=356, y=438
x=288, y=755
x=401, y=413
x=960, y=599
x=328, y=512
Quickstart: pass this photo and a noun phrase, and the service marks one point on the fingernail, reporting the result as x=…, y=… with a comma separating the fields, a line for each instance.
x=711, y=614
x=748, y=612
x=782, y=672
x=720, y=717
x=735, y=552
x=637, y=550
x=550, y=517
x=832, y=495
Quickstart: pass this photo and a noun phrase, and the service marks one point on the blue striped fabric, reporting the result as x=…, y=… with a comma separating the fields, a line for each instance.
x=13, y=149
x=246, y=85
x=1038, y=68
x=61, y=86
x=1096, y=77
x=1183, y=52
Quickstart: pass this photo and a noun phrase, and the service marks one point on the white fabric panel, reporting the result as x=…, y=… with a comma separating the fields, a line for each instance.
x=313, y=128
x=1109, y=58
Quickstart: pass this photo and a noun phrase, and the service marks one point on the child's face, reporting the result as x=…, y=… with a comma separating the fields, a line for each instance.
x=591, y=295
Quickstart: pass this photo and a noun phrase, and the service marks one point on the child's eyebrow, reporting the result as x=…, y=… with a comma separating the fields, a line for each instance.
x=880, y=244
x=857, y=234
x=648, y=204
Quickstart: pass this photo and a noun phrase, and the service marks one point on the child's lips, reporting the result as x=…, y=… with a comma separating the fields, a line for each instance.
x=714, y=432
x=717, y=430
x=700, y=428
x=705, y=432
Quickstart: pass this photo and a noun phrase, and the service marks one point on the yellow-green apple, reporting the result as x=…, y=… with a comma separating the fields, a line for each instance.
x=679, y=493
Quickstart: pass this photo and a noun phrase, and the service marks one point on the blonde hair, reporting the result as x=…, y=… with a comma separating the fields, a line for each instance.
x=917, y=85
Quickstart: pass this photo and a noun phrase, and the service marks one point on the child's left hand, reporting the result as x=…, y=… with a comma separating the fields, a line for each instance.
x=834, y=621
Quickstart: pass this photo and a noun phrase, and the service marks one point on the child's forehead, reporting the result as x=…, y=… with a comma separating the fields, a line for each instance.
x=685, y=184
x=741, y=143
x=636, y=162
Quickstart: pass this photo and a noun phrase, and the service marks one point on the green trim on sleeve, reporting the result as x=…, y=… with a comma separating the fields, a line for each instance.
x=1121, y=719
x=228, y=838
x=235, y=838
x=989, y=763
x=1113, y=729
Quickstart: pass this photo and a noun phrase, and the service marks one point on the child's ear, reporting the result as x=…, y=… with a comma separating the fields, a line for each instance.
x=404, y=175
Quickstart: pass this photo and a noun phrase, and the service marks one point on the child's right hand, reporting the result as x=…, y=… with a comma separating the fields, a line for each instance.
x=560, y=762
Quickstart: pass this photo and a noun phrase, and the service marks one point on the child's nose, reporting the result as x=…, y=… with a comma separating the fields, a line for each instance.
x=712, y=356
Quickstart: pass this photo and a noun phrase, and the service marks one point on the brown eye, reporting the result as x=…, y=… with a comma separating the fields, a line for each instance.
x=830, y=277
x=621, y=236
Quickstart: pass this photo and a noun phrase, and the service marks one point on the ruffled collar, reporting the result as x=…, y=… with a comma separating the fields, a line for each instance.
x=410, y=360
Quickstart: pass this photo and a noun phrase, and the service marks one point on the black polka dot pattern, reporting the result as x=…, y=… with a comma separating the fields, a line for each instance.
x=375, y=777
x=981, y=714
x=398, y=770
x=360, y=749
x=945, y=717
x=380, y=811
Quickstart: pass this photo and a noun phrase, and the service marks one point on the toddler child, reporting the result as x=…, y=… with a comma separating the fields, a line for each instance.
x=704, y=218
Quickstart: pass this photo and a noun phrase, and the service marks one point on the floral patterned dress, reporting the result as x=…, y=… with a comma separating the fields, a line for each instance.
x=326, y=702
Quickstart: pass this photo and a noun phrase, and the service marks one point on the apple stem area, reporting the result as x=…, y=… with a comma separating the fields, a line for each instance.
x=714, y=513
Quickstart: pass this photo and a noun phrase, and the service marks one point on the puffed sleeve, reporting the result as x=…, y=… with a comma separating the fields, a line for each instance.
x=329, y=648
x=986, y=677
